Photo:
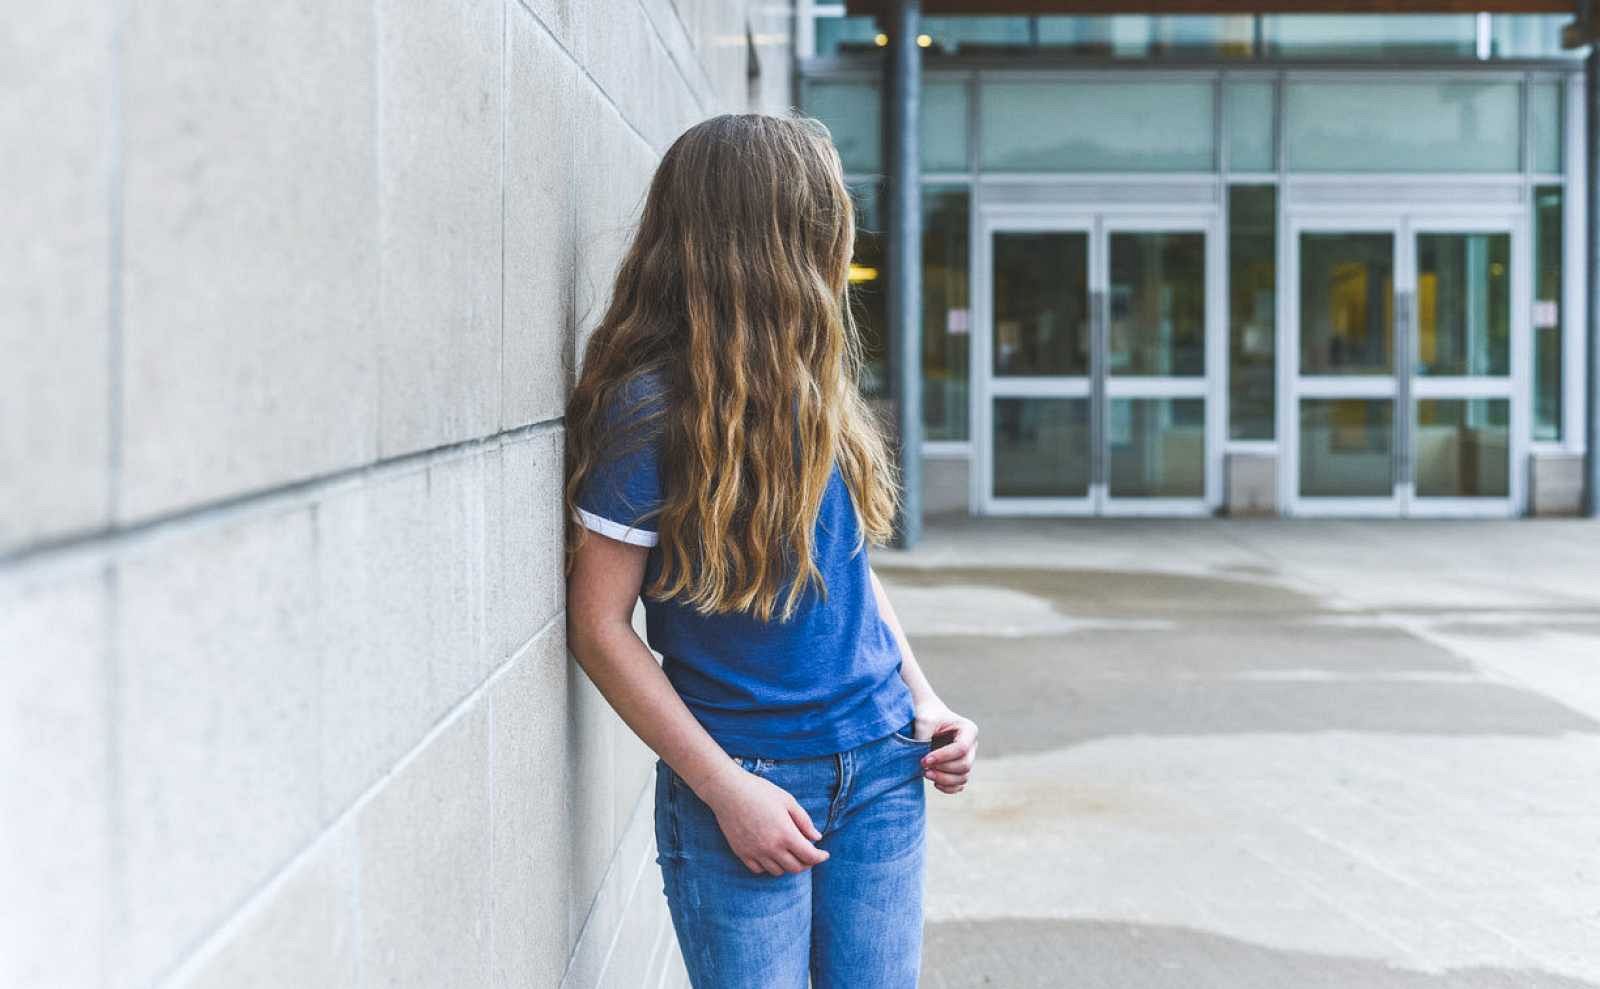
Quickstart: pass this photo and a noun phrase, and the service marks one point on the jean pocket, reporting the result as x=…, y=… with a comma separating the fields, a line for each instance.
x=905, y=737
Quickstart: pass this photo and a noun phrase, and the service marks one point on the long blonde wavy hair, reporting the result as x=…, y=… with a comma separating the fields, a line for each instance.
x=733, y=295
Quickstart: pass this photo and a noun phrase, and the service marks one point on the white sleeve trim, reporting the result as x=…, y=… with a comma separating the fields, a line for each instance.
x=616, y=530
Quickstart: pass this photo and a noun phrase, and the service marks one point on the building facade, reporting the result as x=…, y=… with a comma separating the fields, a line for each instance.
x=1253, y=264
x=289, y=301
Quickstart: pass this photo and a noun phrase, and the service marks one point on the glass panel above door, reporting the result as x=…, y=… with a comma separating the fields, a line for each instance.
x=1041, y=448
x=1346, y=303
x=1456, y=126
x=1463, y=303
x=1041, y=303
x=1121, y=126
x=1158, y=304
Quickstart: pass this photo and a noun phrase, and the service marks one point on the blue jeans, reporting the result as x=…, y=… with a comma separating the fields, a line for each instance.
x=854, y=920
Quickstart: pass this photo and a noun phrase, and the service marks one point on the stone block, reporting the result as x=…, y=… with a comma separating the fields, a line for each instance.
x=539, y=223
x=1555, y=483
x=439, y=141
x=425, y=868
x=533, y=587
x=1252, y=483
x=945, y=485
x=217, y=666
x=631, y=882
x=55, y=783
x=461, y=654
x=250, y=255
x=300, y=930
x=532, y=830
x=589, y=737
x=54, y=271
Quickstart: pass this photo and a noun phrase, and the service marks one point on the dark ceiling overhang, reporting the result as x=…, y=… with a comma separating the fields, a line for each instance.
x=1222, y=7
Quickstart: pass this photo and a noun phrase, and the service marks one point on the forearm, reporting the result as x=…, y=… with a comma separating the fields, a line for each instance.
x=922, y=692
x=632, y=682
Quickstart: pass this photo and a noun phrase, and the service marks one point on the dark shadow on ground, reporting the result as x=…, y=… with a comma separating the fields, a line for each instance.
x=1049, y=692
x=1020, y=953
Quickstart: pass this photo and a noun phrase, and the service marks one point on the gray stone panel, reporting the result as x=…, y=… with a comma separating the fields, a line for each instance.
x=217, y=667
x=439, y=147
x=533, y=833
x=55, y=783
x=532, y=586
x=589, y=738
x=249, y=248
x=300, y=931
x=1252, y=483
x=1556, y=484
x=541, y=131
x=56, y=156
x=425, y=869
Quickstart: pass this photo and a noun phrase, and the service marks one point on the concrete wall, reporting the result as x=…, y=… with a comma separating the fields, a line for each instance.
x=287, y=299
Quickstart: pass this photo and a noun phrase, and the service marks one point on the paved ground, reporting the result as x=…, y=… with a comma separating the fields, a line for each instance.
x=1265, y=754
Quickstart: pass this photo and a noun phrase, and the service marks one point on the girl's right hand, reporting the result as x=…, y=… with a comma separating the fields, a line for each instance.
x=765, y=826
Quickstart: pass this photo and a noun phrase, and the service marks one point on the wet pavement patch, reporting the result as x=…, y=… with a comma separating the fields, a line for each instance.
x=1023, y=953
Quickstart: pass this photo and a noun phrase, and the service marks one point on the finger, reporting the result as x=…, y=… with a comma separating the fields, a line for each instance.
x=753, y=865
x=946, y=779
x=802, y=821
x=808, y=853
x=772, y=868
x=788, y=862
x=950, y=789
x=957, y=749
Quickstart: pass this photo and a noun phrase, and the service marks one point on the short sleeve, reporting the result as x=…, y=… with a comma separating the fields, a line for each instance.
x=622, y=491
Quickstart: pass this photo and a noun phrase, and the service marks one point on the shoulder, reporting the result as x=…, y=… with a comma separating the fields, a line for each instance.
x=637, y=400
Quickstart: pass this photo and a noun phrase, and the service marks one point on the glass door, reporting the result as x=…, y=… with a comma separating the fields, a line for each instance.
x=1401, y=367
x=1095, y=394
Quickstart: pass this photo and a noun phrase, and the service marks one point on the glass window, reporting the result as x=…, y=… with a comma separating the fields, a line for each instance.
x=1347, y=448
x=1157, y=304
x=1149, y=36
x=837, y=35
x=1249, y=116
x=1529, y=36
x=1157, y=447
x=1463, y=448
x=1252, y=311
x=869, y=299
x=1041, y=448
x=978, y=34
x=1346, y=303
x=1385, y=36
x=852, y=112
x=1111, y=126
x=1547, y=313
x=946, y=312
x=1545, y=119
x=1463, y=304
x=1403, y=126
x=944, y=126
x=1041, y=303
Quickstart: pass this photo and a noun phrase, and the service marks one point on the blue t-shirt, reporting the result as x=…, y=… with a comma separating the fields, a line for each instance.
x=826, y=680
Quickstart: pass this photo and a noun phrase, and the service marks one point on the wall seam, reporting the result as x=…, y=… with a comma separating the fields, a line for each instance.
x=204, y=946
x=655, y=29
x=505, y=113
x=561, y=46
x=221, y=509
x=115, y=362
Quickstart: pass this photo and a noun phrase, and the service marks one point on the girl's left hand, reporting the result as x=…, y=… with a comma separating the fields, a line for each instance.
x=948, y=766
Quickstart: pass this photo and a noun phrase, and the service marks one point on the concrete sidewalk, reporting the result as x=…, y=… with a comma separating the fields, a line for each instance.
x=1264, y=753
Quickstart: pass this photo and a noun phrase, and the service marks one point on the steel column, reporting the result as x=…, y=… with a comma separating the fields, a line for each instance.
x=903, y=94
x=1587, y=10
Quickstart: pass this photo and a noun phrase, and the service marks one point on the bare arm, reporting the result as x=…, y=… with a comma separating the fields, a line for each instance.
x=948, y=766
x=764, y=825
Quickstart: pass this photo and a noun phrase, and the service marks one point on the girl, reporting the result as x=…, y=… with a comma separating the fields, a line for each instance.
x=721, y=452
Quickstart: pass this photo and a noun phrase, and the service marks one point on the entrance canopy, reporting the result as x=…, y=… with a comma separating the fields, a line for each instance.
x=937, y=7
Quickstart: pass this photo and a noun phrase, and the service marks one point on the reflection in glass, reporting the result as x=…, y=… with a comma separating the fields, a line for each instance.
x=1157, y=447
x=1041, y=447
x=944, y=127
x=1388, y=36
x=1041, y=303
x=1544, y=102
x=1530, y=36
x=1463, y=303
x=1346, y=448
x=1158, y=304
x=869, y=298
x=1250, y=113
x=1463, y=448
x=1077, y=126
x=851, y=111
x=1252, y=311
x=1409, y=126
x=946, y=312
x=1346, y=303
x=1148, y=36
x=1547, y=293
